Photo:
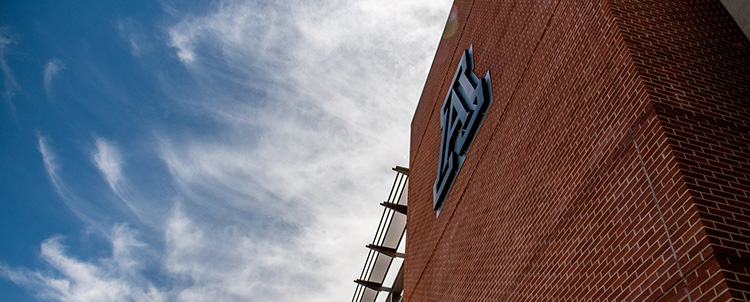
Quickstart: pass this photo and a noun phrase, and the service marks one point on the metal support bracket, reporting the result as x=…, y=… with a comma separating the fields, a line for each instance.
x=391, y=252
x=373, y=285
x=394, y=206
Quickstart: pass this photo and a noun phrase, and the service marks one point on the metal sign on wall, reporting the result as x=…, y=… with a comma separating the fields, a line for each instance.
x=461, y=116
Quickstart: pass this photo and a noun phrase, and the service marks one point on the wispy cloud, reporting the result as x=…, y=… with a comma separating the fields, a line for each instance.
x=108, y=161
x=310, y=104
x=133, y=33
x=48, y=157
x=114, y=278
x=79, y=206
x=51, y=166
x=9, y=81
x=107, y=158
x=50, y=70
x=339, y=83
x=234, y=263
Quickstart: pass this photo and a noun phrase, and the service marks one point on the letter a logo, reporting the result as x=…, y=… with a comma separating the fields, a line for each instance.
x=462, y=113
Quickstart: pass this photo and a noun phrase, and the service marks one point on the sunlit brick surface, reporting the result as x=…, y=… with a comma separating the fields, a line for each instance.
x=613, y=165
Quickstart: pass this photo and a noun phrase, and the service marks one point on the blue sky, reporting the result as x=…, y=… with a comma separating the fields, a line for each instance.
x=201, y=150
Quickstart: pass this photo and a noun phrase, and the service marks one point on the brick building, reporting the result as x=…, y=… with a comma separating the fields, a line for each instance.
x=613, y=163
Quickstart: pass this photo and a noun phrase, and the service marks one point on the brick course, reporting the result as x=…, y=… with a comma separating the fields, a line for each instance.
x=613, y=164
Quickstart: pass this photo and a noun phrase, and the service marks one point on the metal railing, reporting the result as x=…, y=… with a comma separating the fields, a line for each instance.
x=384, y=246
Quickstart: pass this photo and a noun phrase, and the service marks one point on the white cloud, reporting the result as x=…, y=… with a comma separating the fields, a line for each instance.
x=233, y=24
x=83, y=208
x=124, y=245
x=106, y=279
x=313, y=103
x=50, y=70
x=233, y=263
x=9, y=81
x=48, y=157
x=133, y=33
x=108, y=161
x=181, y=40
x=51, y=166
x=342, y=80
x=80, y=207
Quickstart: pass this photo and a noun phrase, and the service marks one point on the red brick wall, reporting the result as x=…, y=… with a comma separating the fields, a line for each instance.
x=613, y=164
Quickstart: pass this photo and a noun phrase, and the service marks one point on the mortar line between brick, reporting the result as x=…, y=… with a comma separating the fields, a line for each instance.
x=502, y=114
x=494, y=131
x=690, y=271
x=661, y=214
x=445, y=76
x=422, y=137
x=639, y=75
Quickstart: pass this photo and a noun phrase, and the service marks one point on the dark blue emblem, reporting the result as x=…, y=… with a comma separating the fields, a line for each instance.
x=462, y=114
